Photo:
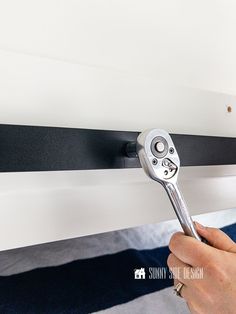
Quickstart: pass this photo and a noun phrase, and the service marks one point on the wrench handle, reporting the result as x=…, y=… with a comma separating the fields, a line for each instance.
x=181, y=210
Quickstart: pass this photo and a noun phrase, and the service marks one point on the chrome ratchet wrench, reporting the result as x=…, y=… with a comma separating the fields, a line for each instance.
x=160, y=161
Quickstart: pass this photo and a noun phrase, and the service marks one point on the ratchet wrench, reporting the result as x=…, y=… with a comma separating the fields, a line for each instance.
x=160, y=161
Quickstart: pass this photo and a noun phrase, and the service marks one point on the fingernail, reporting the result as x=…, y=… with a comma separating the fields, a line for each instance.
x=199, y=225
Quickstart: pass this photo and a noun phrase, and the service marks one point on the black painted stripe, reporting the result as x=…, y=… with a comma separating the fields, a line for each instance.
x=35, y=148
x=87, y=285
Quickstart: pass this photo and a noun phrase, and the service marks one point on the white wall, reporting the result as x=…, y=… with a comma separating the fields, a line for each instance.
x=124, y=65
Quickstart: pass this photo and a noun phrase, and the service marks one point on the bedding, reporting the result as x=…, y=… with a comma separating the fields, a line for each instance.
x=96, y=274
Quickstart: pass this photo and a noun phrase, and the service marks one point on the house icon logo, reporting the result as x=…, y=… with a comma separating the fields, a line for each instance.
x=139, y=273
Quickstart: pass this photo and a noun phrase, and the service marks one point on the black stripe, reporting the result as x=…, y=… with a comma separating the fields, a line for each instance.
x=85, y=286
x=34, y=148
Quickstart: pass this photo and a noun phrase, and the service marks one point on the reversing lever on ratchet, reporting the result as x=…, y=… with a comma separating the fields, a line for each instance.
x=160, y=161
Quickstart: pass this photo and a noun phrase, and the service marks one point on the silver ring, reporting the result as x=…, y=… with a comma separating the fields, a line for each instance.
x=177, y=289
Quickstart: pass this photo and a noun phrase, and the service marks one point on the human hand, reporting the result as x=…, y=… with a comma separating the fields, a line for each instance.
x=215, y=292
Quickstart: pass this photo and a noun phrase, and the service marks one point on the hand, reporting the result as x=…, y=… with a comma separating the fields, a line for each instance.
x=216, y=292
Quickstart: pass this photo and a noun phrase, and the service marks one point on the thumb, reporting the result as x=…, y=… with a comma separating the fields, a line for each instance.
x=216, y=238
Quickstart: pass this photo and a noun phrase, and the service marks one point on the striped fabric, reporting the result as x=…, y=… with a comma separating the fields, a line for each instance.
x=95, y=274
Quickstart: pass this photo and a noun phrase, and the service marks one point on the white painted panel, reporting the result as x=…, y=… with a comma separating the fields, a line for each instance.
x=40, y=91
x=186, y=41
x=44, y=207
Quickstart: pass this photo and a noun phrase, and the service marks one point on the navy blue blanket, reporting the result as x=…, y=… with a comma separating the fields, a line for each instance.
x=86, y=285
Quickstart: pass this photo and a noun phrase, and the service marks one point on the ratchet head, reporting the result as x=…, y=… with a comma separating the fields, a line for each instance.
x=158, y=155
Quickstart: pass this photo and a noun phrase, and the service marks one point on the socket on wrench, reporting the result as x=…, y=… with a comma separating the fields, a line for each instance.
x=160, y=161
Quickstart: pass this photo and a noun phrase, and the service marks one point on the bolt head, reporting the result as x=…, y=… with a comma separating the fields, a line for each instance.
x=160, y=147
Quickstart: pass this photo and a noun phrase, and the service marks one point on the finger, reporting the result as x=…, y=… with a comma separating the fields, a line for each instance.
x=178, y=268
x=190, y=250
x=189, y=295
x=216, y=238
